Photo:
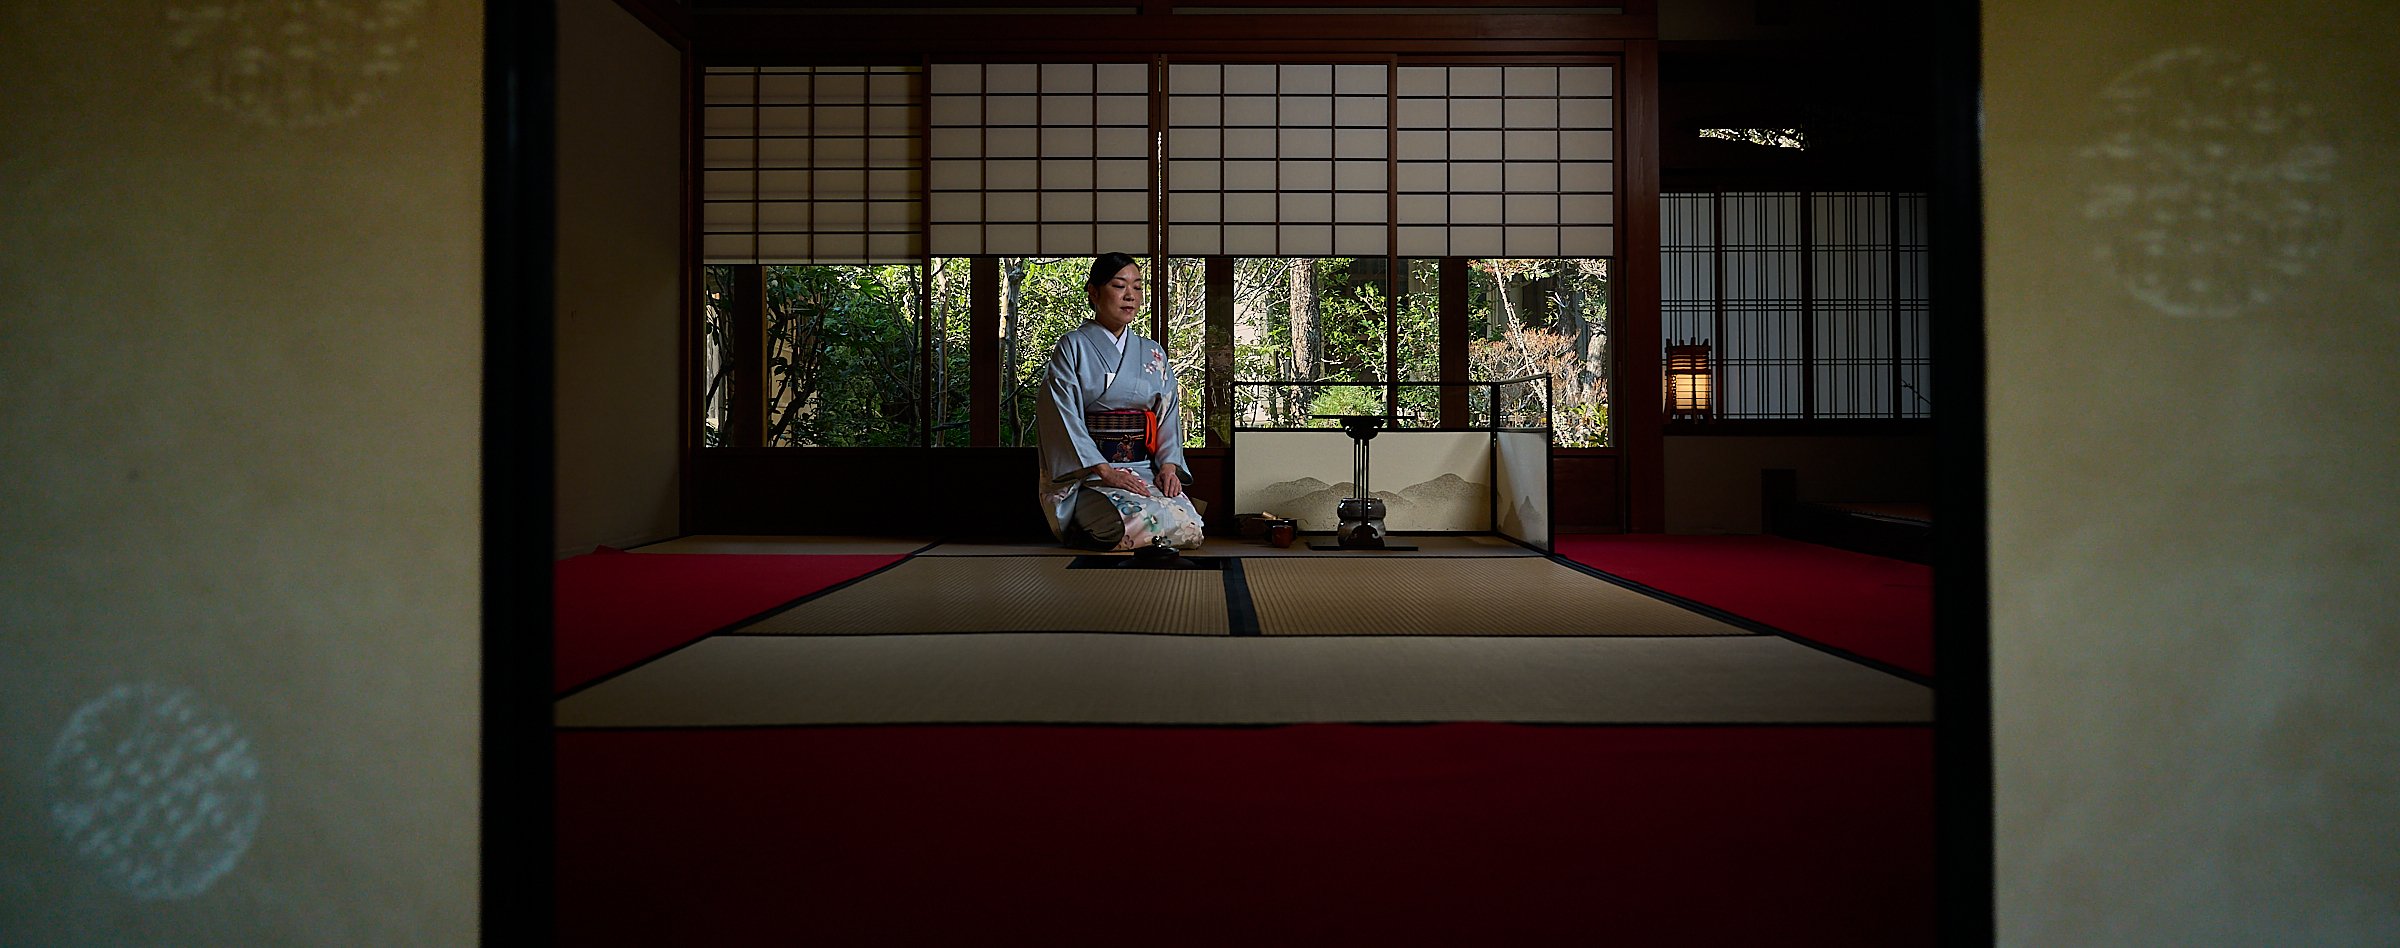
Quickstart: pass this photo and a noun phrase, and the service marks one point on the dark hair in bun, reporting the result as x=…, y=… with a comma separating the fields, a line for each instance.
x=1105, y=267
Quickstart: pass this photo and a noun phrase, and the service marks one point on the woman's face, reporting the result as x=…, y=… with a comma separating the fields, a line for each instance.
x=1114, y=303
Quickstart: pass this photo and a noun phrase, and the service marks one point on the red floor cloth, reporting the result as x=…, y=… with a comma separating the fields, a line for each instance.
x=615, y=609
x=1876, y=607
x=1449, y=834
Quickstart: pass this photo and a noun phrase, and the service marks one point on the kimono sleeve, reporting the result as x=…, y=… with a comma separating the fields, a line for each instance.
x=1170, y=426
x=1067, y=448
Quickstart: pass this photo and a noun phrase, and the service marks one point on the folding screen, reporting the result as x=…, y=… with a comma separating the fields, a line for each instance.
x=1521, y=486
x=1434, y=481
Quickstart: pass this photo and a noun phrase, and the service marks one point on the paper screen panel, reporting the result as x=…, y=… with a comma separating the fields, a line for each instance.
x=811, y=164
x=1277, y=160
x=1039, y=159
x=1506, y=161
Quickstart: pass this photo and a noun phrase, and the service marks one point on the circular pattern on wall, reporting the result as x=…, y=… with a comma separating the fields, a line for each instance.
x=293, y=63
x=156, y=789
x=2215, y=180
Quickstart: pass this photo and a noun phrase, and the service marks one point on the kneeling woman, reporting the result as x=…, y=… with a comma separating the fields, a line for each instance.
x=1113, y=474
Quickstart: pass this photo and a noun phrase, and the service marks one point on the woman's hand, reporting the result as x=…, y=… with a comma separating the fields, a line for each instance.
x=1122, y=479
x=1170, y=480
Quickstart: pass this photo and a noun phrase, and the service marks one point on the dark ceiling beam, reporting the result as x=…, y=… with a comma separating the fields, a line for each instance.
x=666, y=18
x=755, y=37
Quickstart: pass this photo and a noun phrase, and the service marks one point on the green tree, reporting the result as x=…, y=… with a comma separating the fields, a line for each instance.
x=841, y=356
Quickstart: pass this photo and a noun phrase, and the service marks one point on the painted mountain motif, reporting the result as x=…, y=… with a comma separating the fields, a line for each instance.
x=1448, y=502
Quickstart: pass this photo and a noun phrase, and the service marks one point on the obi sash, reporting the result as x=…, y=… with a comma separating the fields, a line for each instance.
x=1124, y=435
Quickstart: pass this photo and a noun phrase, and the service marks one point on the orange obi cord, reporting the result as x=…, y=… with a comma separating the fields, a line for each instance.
x=1121, y=423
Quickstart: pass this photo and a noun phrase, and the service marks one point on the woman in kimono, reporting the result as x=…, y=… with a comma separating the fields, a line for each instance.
x=1113, y=474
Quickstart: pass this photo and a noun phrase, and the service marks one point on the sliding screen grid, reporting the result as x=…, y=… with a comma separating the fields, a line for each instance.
x=1688, y=284
x=1277, y=160
x=1912, y=309
x=1846, y=339
x=1047, y=159
x=811, y=165
x=1514, y=161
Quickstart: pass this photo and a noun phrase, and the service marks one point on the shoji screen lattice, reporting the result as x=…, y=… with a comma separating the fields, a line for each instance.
x=811, y=165
x=1287, y=160
x=1813, y=304
x=1513, y=161
x=1039, y=159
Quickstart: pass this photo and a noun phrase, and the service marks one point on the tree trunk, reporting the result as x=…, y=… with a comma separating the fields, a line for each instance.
x=1253, y=283
x=1307, y=335
x=1012, y=275
x=1501, y=292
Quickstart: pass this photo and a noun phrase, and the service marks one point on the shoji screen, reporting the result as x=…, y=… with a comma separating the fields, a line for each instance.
x=1039, y=159
x=1511, y=161
x=1867, y=278
x=811, y=165
x=1814, y=303
x=1271, y=160
x=1688, y=263
x=1764, y=304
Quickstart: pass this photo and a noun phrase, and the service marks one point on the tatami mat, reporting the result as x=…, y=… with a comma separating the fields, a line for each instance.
x=1437, y=545
x=1116, y=679
x=1019, y=594
x=851, y=546
x=1352, y=596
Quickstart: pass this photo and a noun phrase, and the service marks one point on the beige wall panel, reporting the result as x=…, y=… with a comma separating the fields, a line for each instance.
x=2192, y=214
x=1713, y=480
x=239, y=405
x=619, y=272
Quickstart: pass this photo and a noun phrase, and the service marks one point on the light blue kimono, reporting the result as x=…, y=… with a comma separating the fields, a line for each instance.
x=1087, y=373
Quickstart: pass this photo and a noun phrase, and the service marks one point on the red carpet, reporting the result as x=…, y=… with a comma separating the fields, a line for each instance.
x=1875, y=607
x=615, y=609
x=1314, y=835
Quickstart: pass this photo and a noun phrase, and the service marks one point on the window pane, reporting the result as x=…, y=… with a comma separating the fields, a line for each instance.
x=1186, y=299
x=1543, y=317
x=841, y=356
x=953, y=336
x=1316, y=320
x=1420, y=341
x=716, y=358
x=1041, y=299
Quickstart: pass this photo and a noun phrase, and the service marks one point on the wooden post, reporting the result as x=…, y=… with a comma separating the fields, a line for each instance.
x=1639, y=400
x=1452, y=320
x=983, y=352
x=1219, y=330
x=746, y=335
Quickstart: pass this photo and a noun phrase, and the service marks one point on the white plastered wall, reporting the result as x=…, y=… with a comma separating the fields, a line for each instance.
x=619, y=266
x=240, y=392
x=2193, y=225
